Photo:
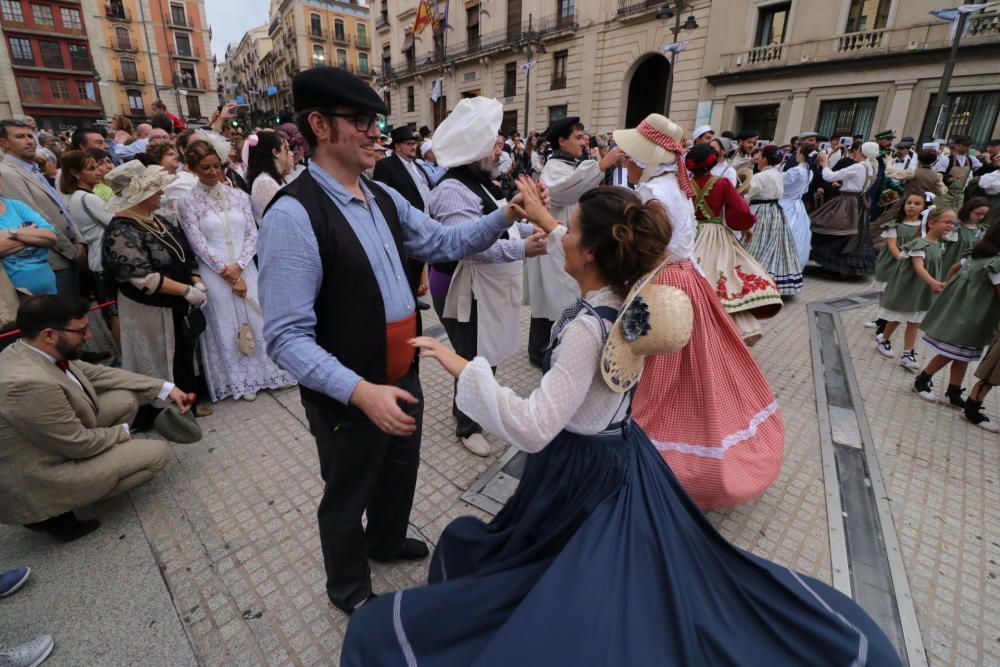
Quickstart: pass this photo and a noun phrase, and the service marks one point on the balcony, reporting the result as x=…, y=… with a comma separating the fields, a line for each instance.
x=177, y=21
x=184, y=54
x=382, y=22
x=340, y=38
x=317, y=33
x=133, y=78
x=117, y=13
x=126, y=110
x=888, y=45
x=362, y=42
x=627, y=7
x=123, y=45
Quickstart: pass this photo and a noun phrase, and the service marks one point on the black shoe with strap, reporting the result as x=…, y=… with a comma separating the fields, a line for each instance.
x=411, y=549
x=954, y=396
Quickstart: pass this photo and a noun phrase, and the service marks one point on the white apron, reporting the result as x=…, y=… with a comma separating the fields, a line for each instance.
x=497, y=289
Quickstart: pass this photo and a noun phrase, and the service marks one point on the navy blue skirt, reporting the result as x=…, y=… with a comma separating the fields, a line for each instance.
x=600, y=558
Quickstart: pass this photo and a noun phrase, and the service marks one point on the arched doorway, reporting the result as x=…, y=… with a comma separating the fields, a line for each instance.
x=647, y=90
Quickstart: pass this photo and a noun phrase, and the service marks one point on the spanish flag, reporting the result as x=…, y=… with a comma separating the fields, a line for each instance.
x=423, y=18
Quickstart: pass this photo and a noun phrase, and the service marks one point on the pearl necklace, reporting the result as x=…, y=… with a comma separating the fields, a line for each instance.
x=160, y=230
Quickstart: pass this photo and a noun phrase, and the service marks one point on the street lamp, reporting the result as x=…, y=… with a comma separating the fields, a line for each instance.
x=666, y=13
x=532, y=41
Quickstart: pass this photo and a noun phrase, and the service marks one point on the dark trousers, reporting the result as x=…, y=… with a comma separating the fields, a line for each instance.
x=463, y=339
x=363, y=469
x=538, y=339
x=67, y=281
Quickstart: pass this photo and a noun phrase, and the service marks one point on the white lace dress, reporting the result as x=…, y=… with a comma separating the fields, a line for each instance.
x=219, y=224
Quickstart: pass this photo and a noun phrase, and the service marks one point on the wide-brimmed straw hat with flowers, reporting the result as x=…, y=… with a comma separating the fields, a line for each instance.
x=656, y=141
x=133, y=182
x=655, y=319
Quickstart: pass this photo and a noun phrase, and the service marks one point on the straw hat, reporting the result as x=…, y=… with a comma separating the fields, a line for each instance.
x=657, y=140
x=469, y=133
x=133, y=182
x=655, y=319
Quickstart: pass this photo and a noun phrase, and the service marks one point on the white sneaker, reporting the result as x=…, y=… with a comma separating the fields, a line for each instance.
x=884, y=348
x=985, y=423
x=477, y=444
x=29, y=654
x=871, y=325
x=908, y=360
x=926, y=394
x=249, y=397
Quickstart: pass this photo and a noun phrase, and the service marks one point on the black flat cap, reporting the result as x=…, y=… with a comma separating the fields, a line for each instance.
x=424, y=131
x=326, y=86
x=405, y=133
x=993, y=142
x=747, y=134
x=561, y=129
x=962, y=139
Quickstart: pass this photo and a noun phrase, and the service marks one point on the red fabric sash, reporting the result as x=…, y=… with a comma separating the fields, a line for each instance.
x=398, y=353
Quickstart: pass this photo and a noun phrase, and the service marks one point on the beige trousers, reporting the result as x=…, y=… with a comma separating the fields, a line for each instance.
x=136, y=461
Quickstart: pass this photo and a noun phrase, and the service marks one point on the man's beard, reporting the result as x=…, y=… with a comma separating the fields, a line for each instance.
x=68, y=350
x=488, y=168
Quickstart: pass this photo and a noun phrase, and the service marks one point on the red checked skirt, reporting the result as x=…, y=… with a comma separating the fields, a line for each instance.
x=708, y=409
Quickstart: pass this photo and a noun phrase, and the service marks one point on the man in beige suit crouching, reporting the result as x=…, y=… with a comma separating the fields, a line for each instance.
x=64, y=424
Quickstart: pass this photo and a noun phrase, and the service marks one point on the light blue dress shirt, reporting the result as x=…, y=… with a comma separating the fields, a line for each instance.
x=291, y=273
x=124, y=153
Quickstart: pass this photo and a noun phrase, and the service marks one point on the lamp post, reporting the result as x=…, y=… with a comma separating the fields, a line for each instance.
x=941, y=99
x=531, y=41
x=666, y=13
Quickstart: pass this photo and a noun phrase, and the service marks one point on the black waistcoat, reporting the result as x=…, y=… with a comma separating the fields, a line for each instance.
x=350, y=312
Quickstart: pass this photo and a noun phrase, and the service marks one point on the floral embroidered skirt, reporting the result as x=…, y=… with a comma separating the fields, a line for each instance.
x=739, y=281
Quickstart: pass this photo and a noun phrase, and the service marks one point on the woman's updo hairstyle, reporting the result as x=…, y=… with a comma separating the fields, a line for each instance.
x=197, y=151
x=773, y=154
x=260, y=157
x=628, y=238
x=701, y=158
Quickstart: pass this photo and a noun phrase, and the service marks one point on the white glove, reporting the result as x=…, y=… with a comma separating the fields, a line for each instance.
x=195, y=297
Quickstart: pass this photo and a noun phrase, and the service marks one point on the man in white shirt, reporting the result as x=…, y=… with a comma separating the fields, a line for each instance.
x=65, y=423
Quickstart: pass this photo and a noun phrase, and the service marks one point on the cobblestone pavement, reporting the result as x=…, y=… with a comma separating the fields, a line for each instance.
x=232, y=522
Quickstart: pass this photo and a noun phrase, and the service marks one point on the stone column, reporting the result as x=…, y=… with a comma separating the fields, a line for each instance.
x=794, y=121
x=900, y=107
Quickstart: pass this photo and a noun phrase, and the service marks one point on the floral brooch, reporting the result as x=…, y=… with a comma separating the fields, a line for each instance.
x=635, y=320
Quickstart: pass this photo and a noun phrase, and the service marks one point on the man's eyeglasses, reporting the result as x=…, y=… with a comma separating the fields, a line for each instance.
x=363, y=120
x=80, y=332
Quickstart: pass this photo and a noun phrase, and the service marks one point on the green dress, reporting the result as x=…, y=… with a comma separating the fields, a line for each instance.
x=965, y=315
x=966, y=240
x=904, y=233
x=905, y=292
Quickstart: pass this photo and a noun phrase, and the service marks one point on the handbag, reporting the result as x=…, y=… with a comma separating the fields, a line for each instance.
x=193, y=324
x=244, y=333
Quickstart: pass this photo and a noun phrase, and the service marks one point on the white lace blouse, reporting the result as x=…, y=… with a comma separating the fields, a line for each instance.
x=261, y=193
x=564, y=400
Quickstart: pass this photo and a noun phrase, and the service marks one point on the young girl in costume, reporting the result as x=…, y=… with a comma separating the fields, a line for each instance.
x=961, y=322
x=988, y=373
x=599, y=557
x=913, y=285
x=772, y=243
x=898, y=232
x=742, y=285
x=968, y=231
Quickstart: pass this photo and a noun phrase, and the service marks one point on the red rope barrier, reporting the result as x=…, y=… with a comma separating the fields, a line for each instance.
x=92, y=308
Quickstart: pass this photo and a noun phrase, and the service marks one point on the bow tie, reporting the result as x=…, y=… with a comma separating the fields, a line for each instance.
x=62, y=365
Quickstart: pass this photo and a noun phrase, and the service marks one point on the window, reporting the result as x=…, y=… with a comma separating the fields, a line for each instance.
x=79, y=57
x=59, y=88
x=11, y=10
x=559, y=69
x=772, y=21
x=85, y=91
x=71, y=19
x=762, y=119
x=319, y=55
x=43, y=15
x=194, y=106
x=338, y=31
x=866, y=15
x=410, y=99
x=183, y=44
x=315, y=25
x=509, y=123
x=557, y=113
x=386, y=61
x=388, y=102
x=472, y=25
x=135, y=103
x=567, y=10
x=974, y=114
x=20, y=51
x=342, y=58
x=129, y=71
x=839, y=118
x=363, y=36
x=30, y=87
x=177, y=15
x=51, y=54
x=123, y=38
x=188, y=76
x=363, y=63
x=510, y=79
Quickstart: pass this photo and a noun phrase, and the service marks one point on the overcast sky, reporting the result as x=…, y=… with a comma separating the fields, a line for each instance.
x=230, y=19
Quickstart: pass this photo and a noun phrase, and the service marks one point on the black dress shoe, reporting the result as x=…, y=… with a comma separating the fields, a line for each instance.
x=411, y=550
x=65, y=527
x=359, y=605
x=423, y=306
x=94, y=357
